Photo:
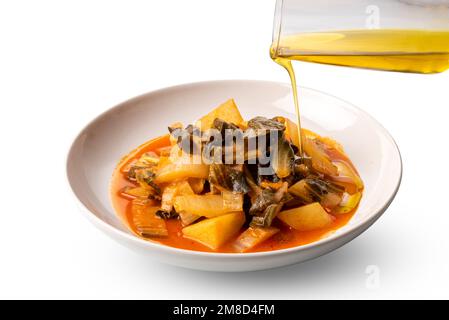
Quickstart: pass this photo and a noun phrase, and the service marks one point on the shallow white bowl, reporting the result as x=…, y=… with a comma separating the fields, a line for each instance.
x=98, y=148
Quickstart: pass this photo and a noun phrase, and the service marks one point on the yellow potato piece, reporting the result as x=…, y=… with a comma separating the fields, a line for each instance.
x=227, y=111
x=214, y=232
x=306, y=218
x=209, y=206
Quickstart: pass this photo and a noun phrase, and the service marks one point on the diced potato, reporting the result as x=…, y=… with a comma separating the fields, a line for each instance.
x=209, y=206
x=147, y=223
x=306, y=218
x=228, y=112
x=172, y=172
x=252, y=237
x=214, y=232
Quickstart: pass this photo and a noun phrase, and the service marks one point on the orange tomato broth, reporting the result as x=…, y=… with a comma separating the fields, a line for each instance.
x=286, y=238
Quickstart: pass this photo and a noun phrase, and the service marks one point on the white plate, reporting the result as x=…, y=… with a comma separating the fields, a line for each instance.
x=98, y=148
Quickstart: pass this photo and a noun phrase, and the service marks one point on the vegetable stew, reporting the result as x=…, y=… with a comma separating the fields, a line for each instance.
x=225, y=184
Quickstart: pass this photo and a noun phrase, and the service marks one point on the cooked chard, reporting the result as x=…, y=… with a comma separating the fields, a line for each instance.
x=164, y=214
x=320, y=160
x=148, y=159
x=264, y=198
x=136, y=192
x=302, y=191
x=314, y=189
x=265, y=218
x=222, y=126
x=188, y=218
x=347, y=177
x=228, y=177
x=175, y=131
x=252, y=237
x=145, y=177
x=170, y=192
x=291, y=130
x=261, y=201
x=267, y=205
x=146, y=223
x=144, y=202
x=301, y=170
x=284, y=159
x=348, y=203
x=262, y=123
x=131, y=172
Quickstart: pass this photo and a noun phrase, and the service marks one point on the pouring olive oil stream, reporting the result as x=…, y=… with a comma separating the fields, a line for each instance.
x=415, y=51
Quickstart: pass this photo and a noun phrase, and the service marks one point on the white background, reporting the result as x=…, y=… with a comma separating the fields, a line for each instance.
x=64, y=62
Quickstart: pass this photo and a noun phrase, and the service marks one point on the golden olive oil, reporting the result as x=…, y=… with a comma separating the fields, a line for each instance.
x=416, y=51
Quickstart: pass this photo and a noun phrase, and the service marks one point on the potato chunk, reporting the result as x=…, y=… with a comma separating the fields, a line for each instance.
x=306, y=218
x=227, y=111
x=209, y=206
x=214, y=232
